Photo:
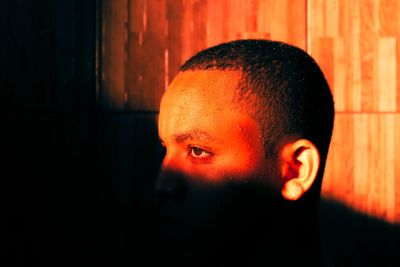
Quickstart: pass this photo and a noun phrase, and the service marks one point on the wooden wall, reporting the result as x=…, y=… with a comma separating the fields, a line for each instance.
x=355, y=43
x=145, y=41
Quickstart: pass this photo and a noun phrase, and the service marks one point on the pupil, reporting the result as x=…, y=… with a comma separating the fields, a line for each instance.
x=197, y=151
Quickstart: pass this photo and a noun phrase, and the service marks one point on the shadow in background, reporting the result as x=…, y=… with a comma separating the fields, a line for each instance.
x=355, y=239
x=48, y=130
x=46, y=190
x=129, y=156
x=74, y=195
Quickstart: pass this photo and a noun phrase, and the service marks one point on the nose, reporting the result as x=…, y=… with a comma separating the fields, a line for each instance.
x=170, y=186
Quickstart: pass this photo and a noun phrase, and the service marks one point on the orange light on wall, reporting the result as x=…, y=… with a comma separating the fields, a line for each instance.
x=357, y=47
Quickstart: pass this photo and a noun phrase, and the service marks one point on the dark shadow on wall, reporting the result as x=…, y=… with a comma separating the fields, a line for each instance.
x=129, y=156
x=355, y=239
x=74, y=194
x=47, y=130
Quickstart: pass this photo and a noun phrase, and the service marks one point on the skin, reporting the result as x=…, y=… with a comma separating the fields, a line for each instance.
x=217, y=189
x=204, y=134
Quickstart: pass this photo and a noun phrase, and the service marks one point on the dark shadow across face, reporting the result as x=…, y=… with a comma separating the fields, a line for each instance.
x=209, y=222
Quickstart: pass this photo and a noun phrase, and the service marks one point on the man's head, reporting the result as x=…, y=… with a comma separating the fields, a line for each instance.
x=246, y=126
x=281, y=87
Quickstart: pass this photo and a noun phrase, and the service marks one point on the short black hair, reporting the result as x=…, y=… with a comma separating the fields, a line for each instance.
x=292, y=95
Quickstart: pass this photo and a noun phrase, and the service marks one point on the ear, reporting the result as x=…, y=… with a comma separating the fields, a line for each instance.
x=299, y=163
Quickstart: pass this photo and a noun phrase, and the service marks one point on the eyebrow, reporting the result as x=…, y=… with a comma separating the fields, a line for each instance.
x=195, y=134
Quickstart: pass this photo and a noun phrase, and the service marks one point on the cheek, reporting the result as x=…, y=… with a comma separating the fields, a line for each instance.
x=227, y=168
x=246, y=160
x=254, y=167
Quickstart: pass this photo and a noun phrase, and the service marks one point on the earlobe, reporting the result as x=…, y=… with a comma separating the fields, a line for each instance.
x=299, y=162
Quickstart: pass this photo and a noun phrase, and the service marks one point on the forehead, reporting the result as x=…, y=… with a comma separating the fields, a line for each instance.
x=201, y=99
x=200, y=93
x=212, y=85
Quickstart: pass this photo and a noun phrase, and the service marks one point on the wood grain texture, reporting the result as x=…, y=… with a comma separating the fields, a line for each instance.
x=113, y=54
x=362, y=169
x=145, y=41
x=356, y=45
x=365, y=37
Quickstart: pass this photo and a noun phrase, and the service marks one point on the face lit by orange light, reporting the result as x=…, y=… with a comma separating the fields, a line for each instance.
x=204, y=133
x=214, y=165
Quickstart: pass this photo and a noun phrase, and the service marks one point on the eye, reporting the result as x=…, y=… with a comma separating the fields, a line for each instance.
x=199, y=153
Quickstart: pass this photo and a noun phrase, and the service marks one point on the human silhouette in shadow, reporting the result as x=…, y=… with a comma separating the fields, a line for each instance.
x=246, y=126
